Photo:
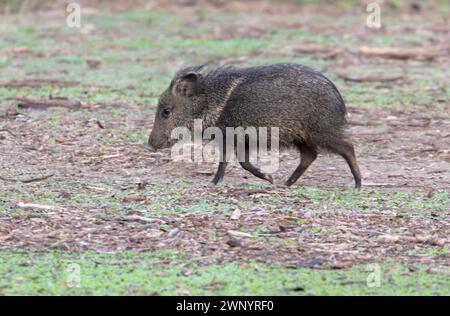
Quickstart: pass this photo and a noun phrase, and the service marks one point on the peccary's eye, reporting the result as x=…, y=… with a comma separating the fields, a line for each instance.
x=166, y=112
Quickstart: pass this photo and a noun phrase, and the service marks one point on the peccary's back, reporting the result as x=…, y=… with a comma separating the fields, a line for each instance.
x=305, y=105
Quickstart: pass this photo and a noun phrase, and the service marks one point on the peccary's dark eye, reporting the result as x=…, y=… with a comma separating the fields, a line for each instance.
x=166, y=112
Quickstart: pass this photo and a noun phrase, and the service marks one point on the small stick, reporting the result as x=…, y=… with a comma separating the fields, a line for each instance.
x=37, y=178
x=7, y=131
x=27, y=180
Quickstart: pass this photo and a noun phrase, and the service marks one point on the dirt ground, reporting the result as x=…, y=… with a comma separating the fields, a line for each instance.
x=74, y=174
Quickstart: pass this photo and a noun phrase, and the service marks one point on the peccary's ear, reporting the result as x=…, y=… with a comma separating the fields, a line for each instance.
x=187, y=85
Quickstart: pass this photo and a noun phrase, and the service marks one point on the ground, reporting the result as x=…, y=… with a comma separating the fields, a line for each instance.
x=78, y=189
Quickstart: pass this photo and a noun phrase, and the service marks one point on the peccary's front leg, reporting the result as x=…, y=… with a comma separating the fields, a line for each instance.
x=220, y=173
x=222, y=165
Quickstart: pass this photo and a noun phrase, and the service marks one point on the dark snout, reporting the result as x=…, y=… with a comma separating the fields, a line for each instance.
x=155, y=142
x=149, y=147
x=150, y=143
x=157, y=139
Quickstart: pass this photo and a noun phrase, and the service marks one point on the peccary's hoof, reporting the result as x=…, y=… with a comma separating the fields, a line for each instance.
x=269, y=178
x=211, y=184
x=288, y=183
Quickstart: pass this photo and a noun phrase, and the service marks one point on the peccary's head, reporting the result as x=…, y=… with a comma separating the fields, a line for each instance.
x=178, y=106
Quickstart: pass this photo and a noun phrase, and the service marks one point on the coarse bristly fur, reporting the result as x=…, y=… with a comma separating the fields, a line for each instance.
x=305, y=105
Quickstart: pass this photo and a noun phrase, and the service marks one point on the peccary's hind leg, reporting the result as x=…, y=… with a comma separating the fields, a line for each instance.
x=347, y=151
x=252, y=169
x=308, y=154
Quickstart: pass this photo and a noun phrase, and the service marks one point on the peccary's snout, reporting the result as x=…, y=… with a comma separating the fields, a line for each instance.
x=157, y=139
x=149, y=147
x=151, y=143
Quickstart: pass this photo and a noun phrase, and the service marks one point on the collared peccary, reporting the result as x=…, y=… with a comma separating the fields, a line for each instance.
x=306, y=107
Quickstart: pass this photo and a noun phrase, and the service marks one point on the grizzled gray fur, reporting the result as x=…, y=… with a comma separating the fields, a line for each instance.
x=305, y=105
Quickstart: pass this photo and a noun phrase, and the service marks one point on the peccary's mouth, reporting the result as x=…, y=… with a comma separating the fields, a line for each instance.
x=152, y=145
x=155, y=146
x=149, y=147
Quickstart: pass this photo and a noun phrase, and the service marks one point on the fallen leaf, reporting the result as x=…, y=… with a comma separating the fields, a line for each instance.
x=236, y=214
x=173, y=232
x=235, y=233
